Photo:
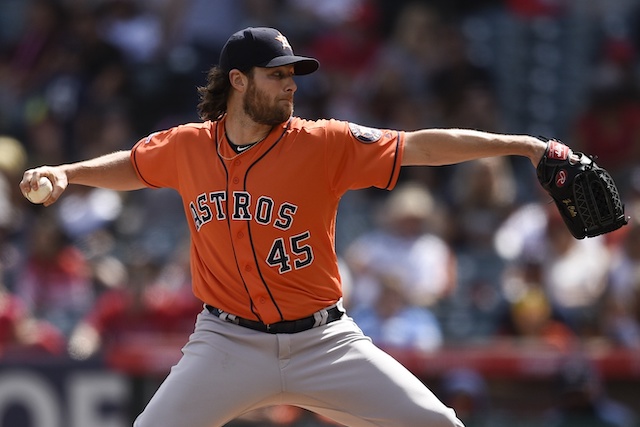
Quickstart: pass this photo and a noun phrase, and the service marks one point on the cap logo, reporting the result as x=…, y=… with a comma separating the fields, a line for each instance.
x=285, y=43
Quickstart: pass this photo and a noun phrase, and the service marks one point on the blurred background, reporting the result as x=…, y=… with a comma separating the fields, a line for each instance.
x=465, y=273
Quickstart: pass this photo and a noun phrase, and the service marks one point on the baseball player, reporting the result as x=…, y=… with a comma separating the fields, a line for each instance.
x=260, y=188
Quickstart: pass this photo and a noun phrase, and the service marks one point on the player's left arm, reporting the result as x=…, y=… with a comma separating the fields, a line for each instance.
x=436, y=147
x=586, y=195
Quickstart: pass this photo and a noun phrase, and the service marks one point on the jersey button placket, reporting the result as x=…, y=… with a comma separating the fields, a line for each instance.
x=243, y=245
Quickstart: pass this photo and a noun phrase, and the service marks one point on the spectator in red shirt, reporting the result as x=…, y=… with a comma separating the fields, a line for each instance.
x=21, y=333
x=609, y=128
x=147, y=306
x=55, y=283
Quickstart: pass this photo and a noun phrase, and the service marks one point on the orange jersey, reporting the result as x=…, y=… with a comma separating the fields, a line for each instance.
x=263, y=221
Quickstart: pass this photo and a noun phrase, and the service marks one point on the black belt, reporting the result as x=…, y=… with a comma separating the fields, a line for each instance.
x=319, y=318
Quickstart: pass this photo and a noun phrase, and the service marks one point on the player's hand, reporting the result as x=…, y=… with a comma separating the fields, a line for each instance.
x=55, y=174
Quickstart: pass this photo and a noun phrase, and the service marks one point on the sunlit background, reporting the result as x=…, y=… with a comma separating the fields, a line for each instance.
x=465, y=273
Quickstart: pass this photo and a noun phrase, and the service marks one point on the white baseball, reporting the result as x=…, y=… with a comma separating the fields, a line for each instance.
x=45, y=188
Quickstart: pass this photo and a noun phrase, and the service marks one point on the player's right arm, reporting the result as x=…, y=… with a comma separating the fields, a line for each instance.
x=114, y=171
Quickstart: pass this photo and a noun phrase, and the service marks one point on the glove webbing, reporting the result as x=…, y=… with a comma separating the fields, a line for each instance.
x=598, y=202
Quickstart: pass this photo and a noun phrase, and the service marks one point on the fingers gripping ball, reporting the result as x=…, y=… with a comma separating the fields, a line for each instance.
x=585, y=194
x=45, y=188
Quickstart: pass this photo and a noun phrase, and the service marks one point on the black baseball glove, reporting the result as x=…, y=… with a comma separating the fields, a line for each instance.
x=585, y=194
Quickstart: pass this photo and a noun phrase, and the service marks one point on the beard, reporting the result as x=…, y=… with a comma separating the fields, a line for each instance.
x=257, y=105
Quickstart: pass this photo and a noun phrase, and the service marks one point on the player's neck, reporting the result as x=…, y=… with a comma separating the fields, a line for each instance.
x=244, y=132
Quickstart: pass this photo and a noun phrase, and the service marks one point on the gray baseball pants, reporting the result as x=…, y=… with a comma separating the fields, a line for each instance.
x=227, y=370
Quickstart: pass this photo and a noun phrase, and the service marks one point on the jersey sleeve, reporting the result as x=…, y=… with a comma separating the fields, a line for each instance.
x=153, y=159
x=361, y=157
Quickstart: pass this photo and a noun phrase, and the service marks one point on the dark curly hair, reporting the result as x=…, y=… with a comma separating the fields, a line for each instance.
x=213, y=96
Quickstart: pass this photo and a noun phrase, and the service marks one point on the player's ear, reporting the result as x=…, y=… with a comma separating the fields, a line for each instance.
x=238, y=80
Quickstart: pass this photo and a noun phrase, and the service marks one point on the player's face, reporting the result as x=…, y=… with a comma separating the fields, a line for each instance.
x=269, y=96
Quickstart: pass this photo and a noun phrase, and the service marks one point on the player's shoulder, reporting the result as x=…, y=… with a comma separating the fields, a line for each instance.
x=182, y=132
x=339, y=130
x=196, y=128
x=300, y=125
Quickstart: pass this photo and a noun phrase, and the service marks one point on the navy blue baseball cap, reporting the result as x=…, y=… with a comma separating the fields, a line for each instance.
x=262, y=47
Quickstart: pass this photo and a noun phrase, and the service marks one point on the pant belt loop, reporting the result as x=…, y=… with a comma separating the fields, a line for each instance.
x=228, y=317
x=320, y=317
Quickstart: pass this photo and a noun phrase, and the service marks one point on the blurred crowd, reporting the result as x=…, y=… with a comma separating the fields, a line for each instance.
x=456, y=254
